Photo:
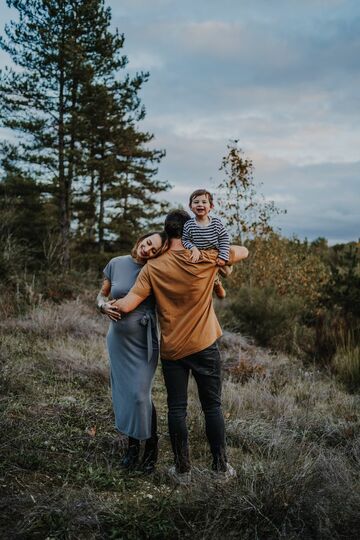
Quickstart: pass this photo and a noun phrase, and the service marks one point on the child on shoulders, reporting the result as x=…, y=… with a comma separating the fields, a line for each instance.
x=207, y=232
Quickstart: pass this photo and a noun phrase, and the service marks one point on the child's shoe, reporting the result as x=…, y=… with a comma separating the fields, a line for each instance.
x=219, y=289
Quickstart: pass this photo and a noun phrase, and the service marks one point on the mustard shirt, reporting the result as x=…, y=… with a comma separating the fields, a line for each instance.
x=183, y=293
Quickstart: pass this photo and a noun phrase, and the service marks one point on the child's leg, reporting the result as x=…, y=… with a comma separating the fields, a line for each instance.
x=237, y=253
x=218, y=287
x=225, y=271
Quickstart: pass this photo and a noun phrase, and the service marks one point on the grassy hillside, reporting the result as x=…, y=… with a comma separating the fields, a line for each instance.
x=293, y=436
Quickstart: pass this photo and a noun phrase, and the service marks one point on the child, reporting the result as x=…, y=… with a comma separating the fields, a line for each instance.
x=205, y=232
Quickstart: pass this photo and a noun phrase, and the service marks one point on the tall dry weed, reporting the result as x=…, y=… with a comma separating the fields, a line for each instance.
x=49, y=320
x=346, y=364
x=86, y=360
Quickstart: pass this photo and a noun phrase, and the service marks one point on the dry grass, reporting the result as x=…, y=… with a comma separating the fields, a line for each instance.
x=77, y=358
x=293, y=436
x=50, y=320
x=346, y=364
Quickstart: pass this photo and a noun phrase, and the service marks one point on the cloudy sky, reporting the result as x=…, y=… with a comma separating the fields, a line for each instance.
x=282, y=77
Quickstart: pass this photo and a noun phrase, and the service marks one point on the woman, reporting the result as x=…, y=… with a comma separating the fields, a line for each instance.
x=133, y=349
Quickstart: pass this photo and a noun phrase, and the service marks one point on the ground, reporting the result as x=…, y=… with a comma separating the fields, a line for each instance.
x=293, y=437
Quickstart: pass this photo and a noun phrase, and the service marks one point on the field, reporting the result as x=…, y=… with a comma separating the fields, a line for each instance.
x=293, y=437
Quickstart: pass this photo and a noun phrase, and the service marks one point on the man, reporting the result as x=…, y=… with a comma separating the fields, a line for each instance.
x=189, y=331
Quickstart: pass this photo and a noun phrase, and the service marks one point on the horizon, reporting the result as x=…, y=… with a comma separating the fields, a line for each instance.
x=282, y=79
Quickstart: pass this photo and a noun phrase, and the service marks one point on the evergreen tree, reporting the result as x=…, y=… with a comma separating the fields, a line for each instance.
x=61, y=49
x=120, y=169
x=23, y=219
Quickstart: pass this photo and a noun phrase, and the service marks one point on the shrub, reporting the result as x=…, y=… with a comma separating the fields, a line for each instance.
x=265, y=315
x=346, y=364
x=330, y=328
x=287, y=265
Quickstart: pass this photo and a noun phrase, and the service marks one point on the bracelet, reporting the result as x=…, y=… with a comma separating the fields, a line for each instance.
x=100, y=307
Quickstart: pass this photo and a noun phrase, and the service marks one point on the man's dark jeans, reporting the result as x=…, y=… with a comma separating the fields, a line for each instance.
x=205, y=367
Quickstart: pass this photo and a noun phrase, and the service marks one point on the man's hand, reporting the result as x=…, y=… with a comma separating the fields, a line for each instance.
x=195, y=254
x=128, y=303
x=220, y=262
x=111, y=310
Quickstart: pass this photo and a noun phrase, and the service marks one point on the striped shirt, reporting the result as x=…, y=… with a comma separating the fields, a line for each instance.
x=213, y=236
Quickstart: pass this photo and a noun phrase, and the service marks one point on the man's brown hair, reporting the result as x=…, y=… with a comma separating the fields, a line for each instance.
x=199, y=192
x=174, y=223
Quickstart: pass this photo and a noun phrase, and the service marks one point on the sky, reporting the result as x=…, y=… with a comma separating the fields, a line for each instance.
x=281, y=76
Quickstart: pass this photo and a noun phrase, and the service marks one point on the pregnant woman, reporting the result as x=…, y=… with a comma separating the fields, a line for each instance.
x=133, y=348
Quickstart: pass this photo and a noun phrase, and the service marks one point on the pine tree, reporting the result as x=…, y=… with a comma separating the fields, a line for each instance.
x=61, y=49
x=23, y=219
x=120, y=169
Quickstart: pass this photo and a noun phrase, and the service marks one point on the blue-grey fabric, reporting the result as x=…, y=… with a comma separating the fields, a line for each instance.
x=133, y=348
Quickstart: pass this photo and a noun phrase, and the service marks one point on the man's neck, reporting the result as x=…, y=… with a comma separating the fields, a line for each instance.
x=176, y=244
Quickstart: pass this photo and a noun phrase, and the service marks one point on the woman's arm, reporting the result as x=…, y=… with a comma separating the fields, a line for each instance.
x=103, y=304
x=237, y=253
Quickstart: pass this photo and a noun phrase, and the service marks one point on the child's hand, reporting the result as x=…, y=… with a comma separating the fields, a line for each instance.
x=220, y=262
x=195, y=254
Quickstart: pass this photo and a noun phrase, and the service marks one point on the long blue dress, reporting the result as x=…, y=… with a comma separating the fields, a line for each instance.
x=133, y=348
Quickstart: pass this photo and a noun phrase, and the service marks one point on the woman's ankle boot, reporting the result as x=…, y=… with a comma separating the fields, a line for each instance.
x=129, y=461
x=150, y=456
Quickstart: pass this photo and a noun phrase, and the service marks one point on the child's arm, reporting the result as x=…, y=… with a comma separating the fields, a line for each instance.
x=187, y=243
x=186, y=237
x=224, y=245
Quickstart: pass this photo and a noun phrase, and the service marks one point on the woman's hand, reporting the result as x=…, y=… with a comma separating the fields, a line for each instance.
x=195, y=254
x=110, y=310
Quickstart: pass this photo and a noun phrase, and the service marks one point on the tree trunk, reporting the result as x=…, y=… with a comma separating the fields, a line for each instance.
x=101, y=202
x=64, y=221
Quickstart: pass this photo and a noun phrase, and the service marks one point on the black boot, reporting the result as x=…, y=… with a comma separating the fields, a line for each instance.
x=129, y=461
x=150, y=456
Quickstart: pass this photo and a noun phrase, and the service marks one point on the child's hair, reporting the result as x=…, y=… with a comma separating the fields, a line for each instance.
x=199, y=192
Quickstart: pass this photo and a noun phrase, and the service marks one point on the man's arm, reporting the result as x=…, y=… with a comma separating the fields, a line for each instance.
x=137, y=294
x=128, y=303
x=237, y=253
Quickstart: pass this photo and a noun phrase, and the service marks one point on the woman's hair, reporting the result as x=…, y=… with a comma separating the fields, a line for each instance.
x=161, y=250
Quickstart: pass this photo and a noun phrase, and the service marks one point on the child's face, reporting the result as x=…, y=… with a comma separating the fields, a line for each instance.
x=201, y=205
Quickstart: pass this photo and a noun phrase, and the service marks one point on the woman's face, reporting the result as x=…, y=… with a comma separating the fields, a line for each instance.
x=149, y=247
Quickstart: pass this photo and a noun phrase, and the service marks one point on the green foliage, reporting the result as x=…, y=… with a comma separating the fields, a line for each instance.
x=287, y=265
x=325, y=278
x=343, y=290
x=265, y=315
x=339, y=311
x=346, y=364
x=24, y=223
x=76, y=119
